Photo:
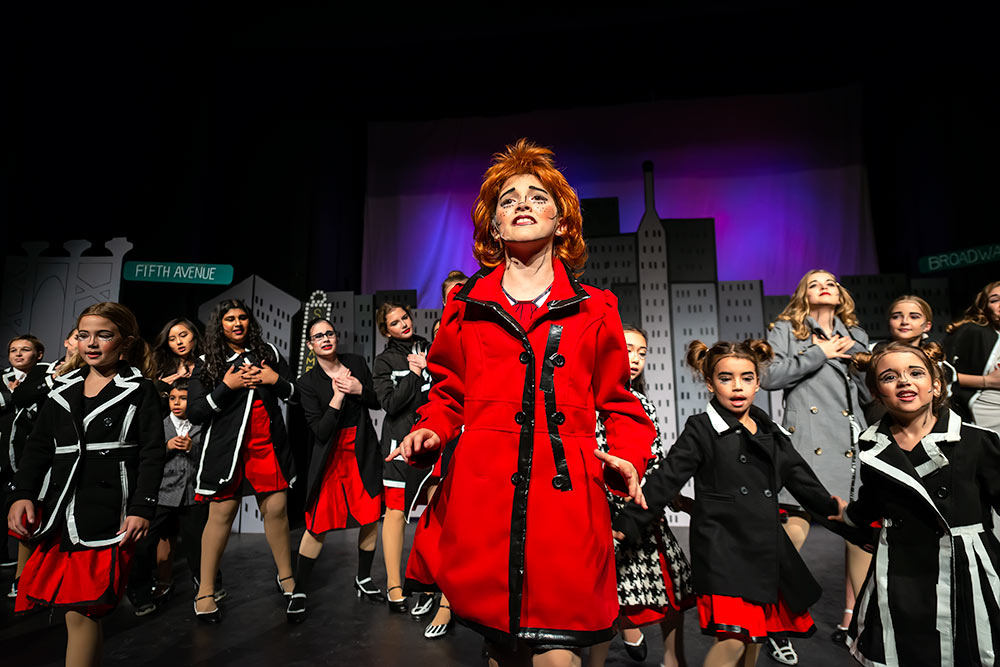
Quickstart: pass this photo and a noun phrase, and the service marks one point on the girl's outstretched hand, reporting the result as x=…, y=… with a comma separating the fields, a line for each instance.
x=841, y=506
x=20, y=512
x=134, y=529
x=416, y=442
x=628, y=473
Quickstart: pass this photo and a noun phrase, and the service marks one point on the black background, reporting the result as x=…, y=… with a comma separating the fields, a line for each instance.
x=240, y=137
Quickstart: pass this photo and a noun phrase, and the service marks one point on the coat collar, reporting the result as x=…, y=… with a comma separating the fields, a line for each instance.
x=888, y=459
x=723, y=421
x=68, y=392
x=484, y=289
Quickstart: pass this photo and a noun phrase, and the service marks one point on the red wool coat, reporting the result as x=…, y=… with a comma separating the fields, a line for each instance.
x=519, y=535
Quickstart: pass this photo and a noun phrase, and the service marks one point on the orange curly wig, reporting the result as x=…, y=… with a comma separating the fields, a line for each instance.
x=525, y=157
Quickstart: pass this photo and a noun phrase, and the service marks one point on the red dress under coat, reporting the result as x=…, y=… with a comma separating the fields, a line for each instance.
x=519, y=535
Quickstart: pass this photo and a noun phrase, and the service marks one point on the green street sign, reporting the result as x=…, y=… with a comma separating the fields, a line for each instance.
x=960, y=258
x=175, y=272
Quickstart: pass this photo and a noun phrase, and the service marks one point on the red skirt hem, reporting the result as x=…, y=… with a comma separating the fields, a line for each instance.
x=89, y=581
x=751, y=622
x=342, y=492
x=258, y=464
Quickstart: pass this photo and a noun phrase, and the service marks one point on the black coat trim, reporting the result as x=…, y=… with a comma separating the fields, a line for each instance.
x=525, y=450
x=542, y=637
x=521, y=479
x=553, y=417
x=224, y=414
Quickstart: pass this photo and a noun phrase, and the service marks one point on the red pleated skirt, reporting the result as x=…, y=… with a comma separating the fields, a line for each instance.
x=736, y=618
x=342, y=493
x=258, y=464
x=90, y=581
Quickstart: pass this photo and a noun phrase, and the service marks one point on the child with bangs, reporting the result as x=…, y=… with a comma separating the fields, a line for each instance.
x=750, y=581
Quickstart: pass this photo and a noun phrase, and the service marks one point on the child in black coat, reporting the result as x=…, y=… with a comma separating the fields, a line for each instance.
x=96, y=454
x=750, y=581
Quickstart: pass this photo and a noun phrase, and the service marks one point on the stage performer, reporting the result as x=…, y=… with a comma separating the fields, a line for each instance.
x=401, y=382
x=973, y=348
x=910, y=320
x=752, y=585
x=97, y=450
x=518, y=534
x=176, y=351
x=24, y=388
x=814, y=339
x=234, y=394
x=345, y=462
x=929, y=482
x=654, y=576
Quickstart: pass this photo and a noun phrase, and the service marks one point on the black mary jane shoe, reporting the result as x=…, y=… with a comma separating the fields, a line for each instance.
x=398, y=606
x=366, y=590
x=214, y=616
x=839, y=637
x=638, y=650
x=296, y=608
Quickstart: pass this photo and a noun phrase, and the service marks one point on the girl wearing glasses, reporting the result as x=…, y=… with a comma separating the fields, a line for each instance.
x=345, y=469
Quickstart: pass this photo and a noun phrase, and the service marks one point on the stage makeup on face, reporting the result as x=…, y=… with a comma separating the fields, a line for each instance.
x=822, y=290
x=398, y=323
x=905, y=384
x=99, y=343
x=525, y=210
x=322, y=339
x=734, y=382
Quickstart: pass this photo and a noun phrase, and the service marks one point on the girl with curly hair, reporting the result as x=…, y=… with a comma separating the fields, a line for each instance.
x=234, y=394
x=814, y=339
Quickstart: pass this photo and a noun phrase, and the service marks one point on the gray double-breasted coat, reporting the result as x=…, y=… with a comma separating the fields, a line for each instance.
x=822, y=399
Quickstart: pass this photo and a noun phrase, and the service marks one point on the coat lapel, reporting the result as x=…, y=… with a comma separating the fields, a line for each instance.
x=888, y=459
x=124, y=383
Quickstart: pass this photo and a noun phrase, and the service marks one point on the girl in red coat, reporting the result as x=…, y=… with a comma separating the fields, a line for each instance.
x=96, y=455
x=518, y=536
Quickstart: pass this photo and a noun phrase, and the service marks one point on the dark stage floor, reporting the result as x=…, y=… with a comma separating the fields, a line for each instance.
x=342, y=630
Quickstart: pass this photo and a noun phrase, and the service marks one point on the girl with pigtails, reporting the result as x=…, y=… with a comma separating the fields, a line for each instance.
x=751, y=584
x=931, y=485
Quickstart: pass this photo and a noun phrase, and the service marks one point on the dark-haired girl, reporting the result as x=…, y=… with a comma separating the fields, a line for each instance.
x=973, y=348
x=97, y=449
x=654, y=576
x=234, y=394
x=176, y=350
x=929, y=482
x=750, y=580
x=345, y=468
x=401, y=382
